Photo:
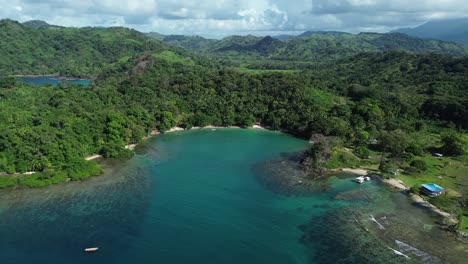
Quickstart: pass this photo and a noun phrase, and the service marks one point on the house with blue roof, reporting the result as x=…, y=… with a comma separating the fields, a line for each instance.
x=431, y=189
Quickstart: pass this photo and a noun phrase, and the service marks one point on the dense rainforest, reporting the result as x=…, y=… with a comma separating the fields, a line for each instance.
x=306, y=49
x=37, y=48
x=51, y=128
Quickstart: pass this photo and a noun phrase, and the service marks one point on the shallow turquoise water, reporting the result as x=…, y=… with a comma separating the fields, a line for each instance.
x=189, y=197
x=52, y=80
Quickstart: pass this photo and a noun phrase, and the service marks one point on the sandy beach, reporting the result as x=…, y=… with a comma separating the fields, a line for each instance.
x=398, y=184
x=93, y=157
x=351, y=170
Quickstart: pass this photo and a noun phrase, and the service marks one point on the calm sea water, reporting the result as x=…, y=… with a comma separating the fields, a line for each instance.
x=52, y=80
x=193, y=197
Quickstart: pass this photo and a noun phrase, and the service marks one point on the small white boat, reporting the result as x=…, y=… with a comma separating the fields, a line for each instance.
x=93, y=249
x=367, y=178
x=360, y=179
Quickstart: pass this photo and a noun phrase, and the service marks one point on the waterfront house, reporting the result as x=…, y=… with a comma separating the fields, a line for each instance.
x=431, y=189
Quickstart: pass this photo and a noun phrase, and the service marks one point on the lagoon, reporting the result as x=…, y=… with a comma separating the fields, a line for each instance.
x=195, y=197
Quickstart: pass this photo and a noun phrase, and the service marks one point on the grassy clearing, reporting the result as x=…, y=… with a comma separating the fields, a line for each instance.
x=7, y=181
x=463, y=226
x=343, y=159
x=173, y=57
x=447, y=172
x=451, y=174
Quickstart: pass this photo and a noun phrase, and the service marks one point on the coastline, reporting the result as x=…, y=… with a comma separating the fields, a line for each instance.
x=400, y=186
x=360, y=172
x=396, y=184
x=172, y=130
x=418, y=199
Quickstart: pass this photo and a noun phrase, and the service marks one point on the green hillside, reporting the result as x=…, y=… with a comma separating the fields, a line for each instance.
x=50, y=129
x=312, y=46
x=390, y=88
x=35, y=48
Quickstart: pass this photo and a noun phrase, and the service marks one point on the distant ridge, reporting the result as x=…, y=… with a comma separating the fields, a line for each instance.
x=283, y=37
x=39, y=24
x=455, y=30
x=310, y=33
x=311, y=46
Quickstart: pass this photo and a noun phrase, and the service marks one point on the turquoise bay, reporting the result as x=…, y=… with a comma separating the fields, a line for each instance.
x=193, y=197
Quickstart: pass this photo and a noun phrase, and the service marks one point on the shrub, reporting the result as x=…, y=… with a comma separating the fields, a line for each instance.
x=419, y=164
x=343, y=159
x=415, y=149
x=7, y=181
x=453, y=144
x=43, y=179
x=362, y=152
x=83, y=169
x=415, y=189
x=407, y=156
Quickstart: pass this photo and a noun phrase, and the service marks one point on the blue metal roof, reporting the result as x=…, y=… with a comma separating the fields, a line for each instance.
x=432, y=187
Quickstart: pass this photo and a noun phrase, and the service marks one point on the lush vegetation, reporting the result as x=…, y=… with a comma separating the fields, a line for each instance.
x=383, y=108
x=371, y=96
x=305, y=50
x=36, y=48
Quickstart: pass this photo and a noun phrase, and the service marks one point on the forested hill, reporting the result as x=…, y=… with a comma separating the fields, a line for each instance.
x=50, y=129
x=432, y=85
x=312, y=46
x=38, y=48
x=420, y=86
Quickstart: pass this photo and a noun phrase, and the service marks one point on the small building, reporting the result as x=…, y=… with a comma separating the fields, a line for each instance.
x=431, y=189
x=437, y=155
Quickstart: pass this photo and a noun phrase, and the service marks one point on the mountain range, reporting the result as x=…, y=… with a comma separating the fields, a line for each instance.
x=455, y=30
x=36, y=47
x=310, y=46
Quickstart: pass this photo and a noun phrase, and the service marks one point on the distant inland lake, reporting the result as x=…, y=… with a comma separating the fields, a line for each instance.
x=42, y=80
x=197, y=197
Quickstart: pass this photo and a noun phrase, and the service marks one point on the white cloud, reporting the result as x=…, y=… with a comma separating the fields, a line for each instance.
x=225, y=17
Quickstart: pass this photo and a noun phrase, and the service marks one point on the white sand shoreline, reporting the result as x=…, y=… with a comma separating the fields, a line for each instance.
x=93, y=157
x=172, y=130
x=356, y=171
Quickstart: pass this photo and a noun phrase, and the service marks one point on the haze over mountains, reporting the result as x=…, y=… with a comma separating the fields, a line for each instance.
x=35, y=47
x=314, y=46
x=455, y=30
x=435, y=36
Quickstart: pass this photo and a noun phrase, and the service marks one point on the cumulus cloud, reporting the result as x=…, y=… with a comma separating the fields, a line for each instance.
x=224, y=17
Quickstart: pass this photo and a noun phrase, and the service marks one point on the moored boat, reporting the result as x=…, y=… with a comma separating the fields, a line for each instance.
x=93, y=249
x=359, y=179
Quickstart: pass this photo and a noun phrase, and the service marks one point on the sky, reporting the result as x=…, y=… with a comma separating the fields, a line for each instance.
x=219, y=18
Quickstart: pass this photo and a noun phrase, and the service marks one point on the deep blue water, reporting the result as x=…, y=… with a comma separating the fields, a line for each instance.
x=52, y=80
x=193, y=197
